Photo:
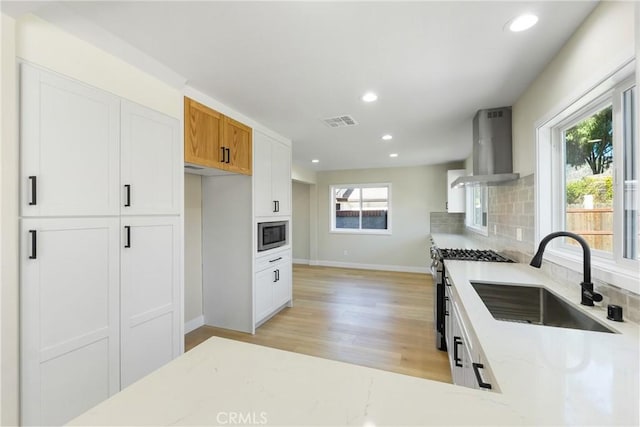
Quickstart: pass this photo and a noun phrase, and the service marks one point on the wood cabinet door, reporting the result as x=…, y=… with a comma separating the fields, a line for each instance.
x=150, y=295
x=150, y=162
x=281, y=177
x=69, y=317
x=203, y=140
x=238, y=141
x=69, y=145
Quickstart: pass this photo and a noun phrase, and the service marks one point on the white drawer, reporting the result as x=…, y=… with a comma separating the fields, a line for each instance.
x=272, y=259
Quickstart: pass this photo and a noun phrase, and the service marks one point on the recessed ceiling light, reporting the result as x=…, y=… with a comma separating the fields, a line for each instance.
x=393, y=155
x=315, y=161
x=369, y=97
x=522, y=22
x=387, y=137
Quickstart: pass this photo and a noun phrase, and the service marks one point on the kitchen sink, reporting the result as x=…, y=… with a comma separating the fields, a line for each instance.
x=533, y=305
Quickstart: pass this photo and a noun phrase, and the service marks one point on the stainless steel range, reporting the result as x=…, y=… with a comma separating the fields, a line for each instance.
x=438, y=257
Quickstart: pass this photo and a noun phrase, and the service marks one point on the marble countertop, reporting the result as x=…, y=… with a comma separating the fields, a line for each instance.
x=547, y=376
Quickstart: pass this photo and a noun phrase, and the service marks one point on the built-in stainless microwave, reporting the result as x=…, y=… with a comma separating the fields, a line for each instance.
x=272, y=234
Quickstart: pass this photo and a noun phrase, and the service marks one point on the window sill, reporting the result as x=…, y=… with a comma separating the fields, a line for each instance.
x=478, y=230
x=362, y=232
x=604, y=270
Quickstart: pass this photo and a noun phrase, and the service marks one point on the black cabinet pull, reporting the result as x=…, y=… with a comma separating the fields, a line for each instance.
x=446, y=282
x=275, y=206
x=228, y=155
x=34, y=244
x=476, y=370
x=275, y=276
x=456, y=359
x=34, y=189
x=128, y=229
x=277, y=259
x=127, y=188
x=223, y=153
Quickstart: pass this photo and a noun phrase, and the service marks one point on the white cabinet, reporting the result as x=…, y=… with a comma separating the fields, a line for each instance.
x=150, y=162
x=95, y=315
x=469, y=367
x=273, y=287
x=69, y=149
x=455, y=196
x=69, y=316
x=272, y=176
x=150, y=294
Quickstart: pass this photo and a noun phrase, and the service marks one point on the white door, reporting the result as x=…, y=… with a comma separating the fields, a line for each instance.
x=69, y=317
x=151, y=162
x=265, y=281
x=281, y=177
x=264, y=203
x=150, y=295
x=69, y=142
x=282, y=286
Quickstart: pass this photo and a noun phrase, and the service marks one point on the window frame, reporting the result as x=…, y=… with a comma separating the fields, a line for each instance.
x=550, y=186
x=470, y=209
x=332, y=210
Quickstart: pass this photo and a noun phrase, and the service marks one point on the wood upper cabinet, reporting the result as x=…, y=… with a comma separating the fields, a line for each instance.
x=237, y=140
x=203, y=135
x=216, y=141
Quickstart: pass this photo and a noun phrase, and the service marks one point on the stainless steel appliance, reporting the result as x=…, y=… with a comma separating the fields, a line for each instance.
x=438, y=257
x=272, y=234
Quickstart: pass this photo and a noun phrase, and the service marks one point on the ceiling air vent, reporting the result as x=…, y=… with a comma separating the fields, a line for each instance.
x=340, y=121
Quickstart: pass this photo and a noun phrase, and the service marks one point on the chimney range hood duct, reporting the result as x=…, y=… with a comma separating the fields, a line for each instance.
x=492, y=155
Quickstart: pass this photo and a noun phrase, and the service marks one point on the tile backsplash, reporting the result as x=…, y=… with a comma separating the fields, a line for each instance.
x=445, y=222
x=511, y=207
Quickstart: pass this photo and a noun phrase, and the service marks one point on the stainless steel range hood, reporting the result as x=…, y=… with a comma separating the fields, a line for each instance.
x=492, y=155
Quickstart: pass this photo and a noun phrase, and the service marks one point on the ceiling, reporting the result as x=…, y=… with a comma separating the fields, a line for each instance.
x=287, y=65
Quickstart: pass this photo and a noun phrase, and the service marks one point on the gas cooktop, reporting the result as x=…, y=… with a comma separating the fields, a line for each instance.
x=473, y=255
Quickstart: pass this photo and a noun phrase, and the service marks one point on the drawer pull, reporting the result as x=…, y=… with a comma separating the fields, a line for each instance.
x=277, y=259
x=476, y=370
x=456, y=359
x=34, y=188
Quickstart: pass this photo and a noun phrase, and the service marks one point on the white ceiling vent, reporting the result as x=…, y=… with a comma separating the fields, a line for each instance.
x=340, y=121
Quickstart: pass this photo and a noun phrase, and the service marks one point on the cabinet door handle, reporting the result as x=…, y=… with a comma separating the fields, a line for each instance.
x=228, y=155
x=223, y=153
x=446, y=206
x=277, y=259
x=34, y=189
x=456, y=359
x=446, y=282
x=275, y=276
x=128, y=230
x=127, y=189
x=476, y=370
x=275, y=206
x=34, y=244
x=446, y=300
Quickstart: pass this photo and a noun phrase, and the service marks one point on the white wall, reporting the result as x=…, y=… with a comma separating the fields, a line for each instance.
x=45, y=45
x=302, y=174
x=8, y=227
x=301, y=227
x=416, y=191
x=192, y=248
x=603, y=43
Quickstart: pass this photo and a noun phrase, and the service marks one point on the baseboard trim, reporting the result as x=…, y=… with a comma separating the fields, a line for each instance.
x=301, y=261
x=193, y=324
x=381, y=267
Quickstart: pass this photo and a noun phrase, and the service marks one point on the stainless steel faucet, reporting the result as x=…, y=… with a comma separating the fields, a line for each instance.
x=588, y=296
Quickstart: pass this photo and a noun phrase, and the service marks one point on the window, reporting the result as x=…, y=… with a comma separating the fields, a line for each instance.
x=587, y=181
x=361, y=208
x=476, y=214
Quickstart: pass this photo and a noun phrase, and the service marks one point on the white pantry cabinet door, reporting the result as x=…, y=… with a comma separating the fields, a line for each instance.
x=264, y=204
x=265, y=280
x=282, y=287
x=281, y=177
x=150, y=295
x=69, y=142
x=69, y=299
x=151, y=162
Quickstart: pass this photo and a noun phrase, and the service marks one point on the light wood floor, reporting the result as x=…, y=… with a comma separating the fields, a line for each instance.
x=383, y=320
